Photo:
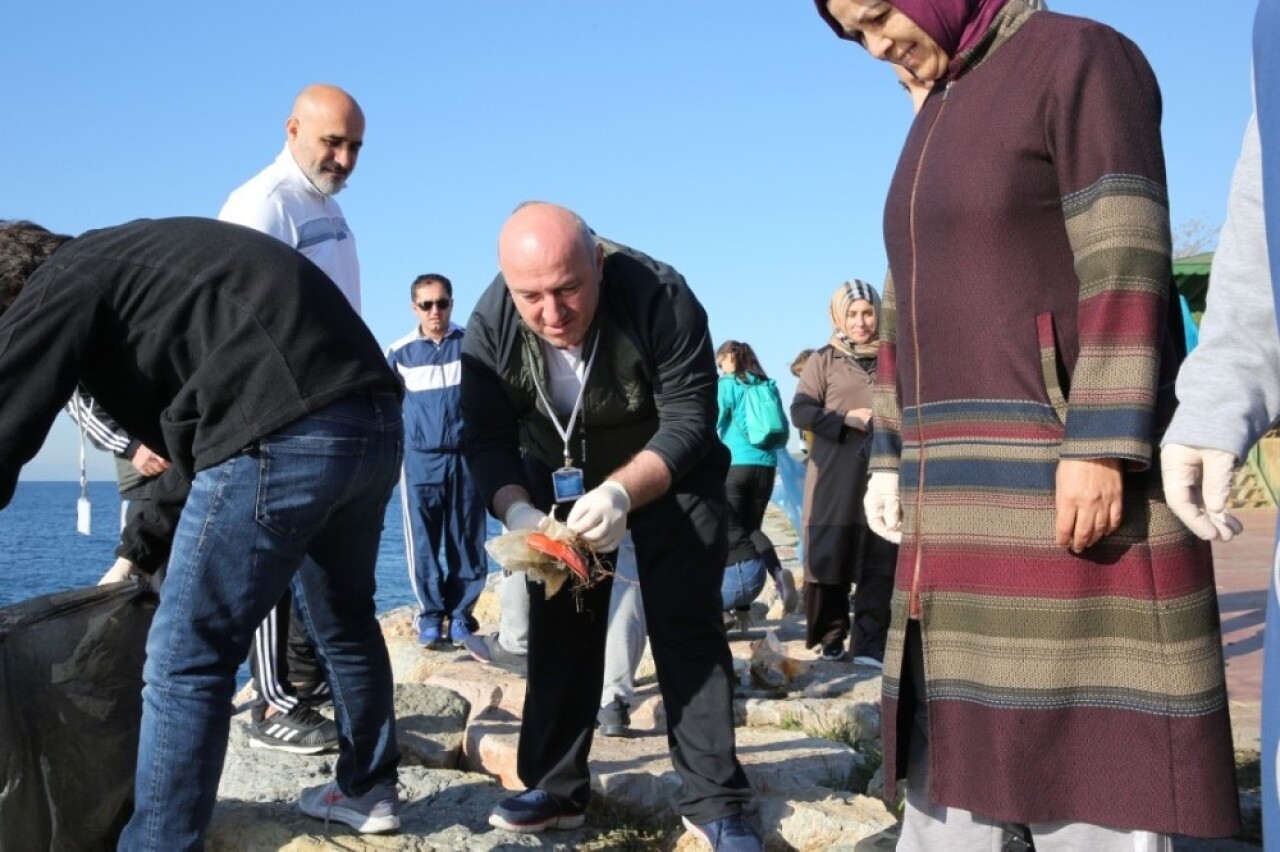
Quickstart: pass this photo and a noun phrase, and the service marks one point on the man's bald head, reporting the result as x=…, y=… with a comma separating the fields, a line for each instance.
x=325, y=132
x=537, y=228
x=553, y=268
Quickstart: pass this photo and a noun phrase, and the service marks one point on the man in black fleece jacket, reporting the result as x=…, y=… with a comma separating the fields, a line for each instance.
x=589, y=365
x=244, y=363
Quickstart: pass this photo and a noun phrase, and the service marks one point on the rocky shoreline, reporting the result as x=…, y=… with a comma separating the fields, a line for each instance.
x=808, y=736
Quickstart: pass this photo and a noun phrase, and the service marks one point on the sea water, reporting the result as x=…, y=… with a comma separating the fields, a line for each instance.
x=41, y=552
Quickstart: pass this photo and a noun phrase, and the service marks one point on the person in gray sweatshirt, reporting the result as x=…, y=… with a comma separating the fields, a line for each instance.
x=1229, y=387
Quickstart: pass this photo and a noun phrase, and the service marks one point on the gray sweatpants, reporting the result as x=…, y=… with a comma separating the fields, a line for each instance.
x=625, y=641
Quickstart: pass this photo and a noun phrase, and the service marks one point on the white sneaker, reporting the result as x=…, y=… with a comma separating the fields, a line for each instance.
x=373, y=813
x=869, y=661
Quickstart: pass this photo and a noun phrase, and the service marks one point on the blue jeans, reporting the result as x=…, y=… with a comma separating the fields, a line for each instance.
x=743, y=582
x=304, y=505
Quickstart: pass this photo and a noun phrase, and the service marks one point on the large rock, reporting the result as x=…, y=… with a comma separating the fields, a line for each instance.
x=481, y=685
x=491, y=745
x=430, y=725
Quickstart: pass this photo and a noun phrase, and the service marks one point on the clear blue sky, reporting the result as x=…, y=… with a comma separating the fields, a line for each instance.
x=742, y=142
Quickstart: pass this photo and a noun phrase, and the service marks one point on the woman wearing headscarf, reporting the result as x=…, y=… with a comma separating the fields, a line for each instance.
x=1055, y=660
x=833, y=402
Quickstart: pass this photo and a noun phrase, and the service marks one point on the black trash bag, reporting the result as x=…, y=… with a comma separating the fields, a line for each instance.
x=70, y=710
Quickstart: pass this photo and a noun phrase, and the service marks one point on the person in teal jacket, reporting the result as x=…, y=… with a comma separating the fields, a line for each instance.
x=748, y=485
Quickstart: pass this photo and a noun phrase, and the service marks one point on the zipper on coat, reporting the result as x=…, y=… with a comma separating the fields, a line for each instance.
x=913, y=603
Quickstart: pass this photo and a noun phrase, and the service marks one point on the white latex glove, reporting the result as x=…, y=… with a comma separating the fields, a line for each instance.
x=122, y=569
x=523, y=516
x=1197, y=485
x=600, y=516
x=884, y=512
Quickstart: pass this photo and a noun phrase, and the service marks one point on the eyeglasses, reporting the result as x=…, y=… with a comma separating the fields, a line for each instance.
x=442, y=304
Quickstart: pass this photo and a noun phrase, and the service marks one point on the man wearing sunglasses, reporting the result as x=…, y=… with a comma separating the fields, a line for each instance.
x=442, y=510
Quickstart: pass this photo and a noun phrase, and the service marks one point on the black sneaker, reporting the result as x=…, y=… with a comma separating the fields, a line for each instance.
x=739, y=620
x=300, y=731
x=727, y=834
x=533, y=811
x=615, y=718
x=833, y=651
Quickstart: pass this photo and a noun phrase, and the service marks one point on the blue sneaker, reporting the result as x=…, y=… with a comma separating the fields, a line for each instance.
x=727, y=834
x=534, y=810
x=459, y=633
x=429, y=634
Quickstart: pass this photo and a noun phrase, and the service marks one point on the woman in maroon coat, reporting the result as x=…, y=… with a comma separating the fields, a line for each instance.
x=1055, y=662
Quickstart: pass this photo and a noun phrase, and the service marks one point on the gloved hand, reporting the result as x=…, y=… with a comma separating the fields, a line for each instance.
x=523, y=516
x=600, y=516
x=884, y=512
x=123, y=570
x=1197, y=485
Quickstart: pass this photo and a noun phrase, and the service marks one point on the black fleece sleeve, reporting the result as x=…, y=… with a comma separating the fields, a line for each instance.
x=44, y=336
x=685, y=380
x=490, y=423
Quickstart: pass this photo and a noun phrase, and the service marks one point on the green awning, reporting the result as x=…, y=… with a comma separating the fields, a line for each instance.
x=1191, y=275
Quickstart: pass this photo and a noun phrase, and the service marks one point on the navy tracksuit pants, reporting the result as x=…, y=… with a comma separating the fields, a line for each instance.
x=444, y=529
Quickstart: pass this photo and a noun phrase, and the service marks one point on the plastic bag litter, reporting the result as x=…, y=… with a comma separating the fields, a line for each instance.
x=70, y=711
x=512, y=551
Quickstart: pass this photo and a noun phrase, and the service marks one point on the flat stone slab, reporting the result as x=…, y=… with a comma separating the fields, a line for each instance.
x=854, y=720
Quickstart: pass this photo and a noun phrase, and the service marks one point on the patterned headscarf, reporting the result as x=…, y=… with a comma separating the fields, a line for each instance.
x=956, y=25
x=845, y=295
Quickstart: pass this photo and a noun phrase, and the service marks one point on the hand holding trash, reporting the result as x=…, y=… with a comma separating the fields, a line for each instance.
x=600, y=516
x=549, y=552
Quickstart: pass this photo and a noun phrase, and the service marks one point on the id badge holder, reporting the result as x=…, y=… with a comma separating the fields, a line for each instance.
x=567, y=484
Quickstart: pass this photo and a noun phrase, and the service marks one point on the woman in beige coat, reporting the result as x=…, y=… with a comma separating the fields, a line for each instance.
x=833, y=402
